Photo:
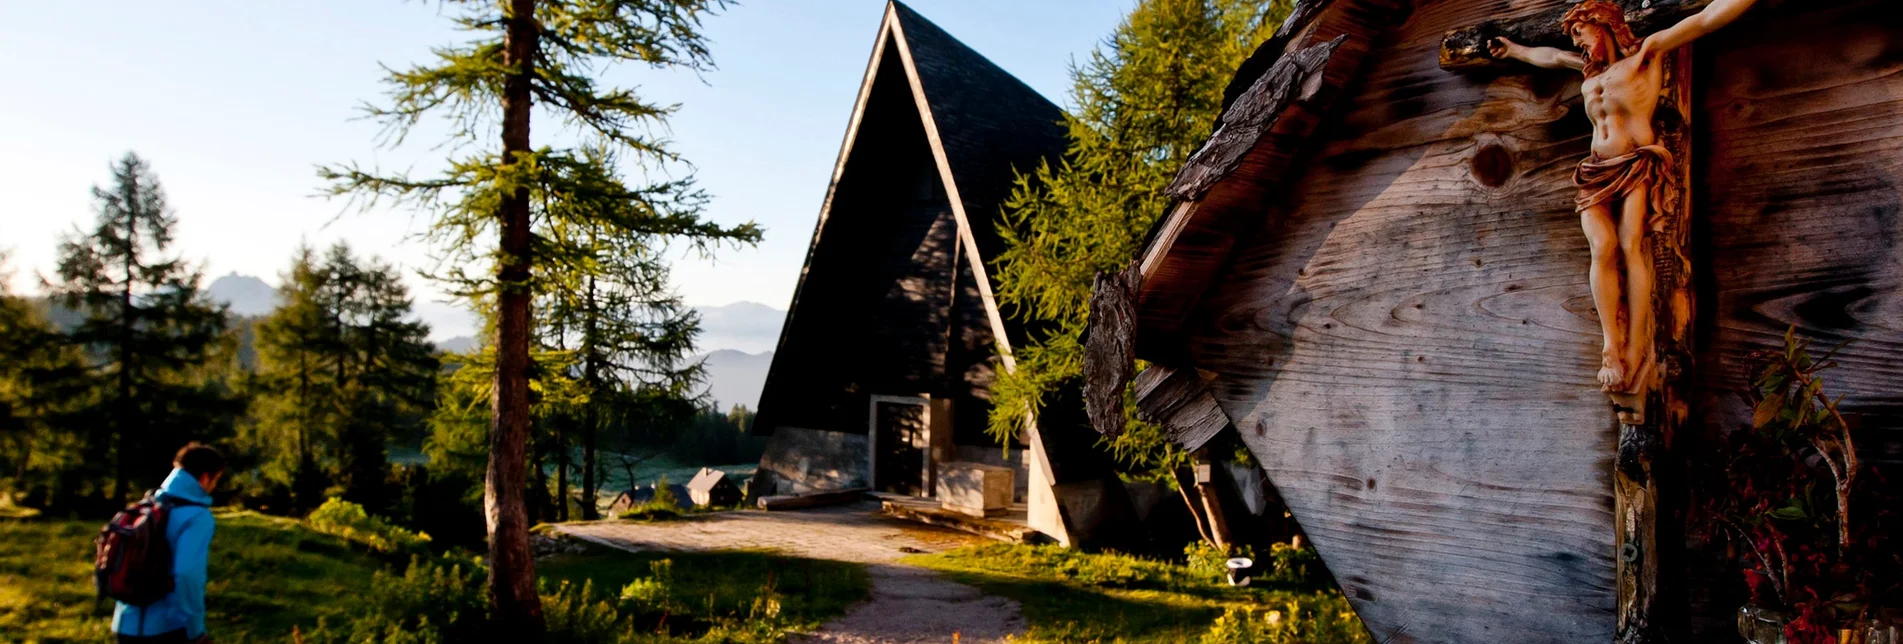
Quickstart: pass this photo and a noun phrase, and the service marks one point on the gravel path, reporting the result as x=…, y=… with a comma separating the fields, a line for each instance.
x=908, y=605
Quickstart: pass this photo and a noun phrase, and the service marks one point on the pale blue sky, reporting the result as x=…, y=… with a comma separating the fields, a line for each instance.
x=235, y=101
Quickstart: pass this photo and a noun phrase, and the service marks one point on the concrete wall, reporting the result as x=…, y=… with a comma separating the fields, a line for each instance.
x=799, y=460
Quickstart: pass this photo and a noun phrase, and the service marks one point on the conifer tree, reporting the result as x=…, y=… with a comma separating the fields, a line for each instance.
x=1145, y=99
x=343, y=368
x=150, y=334
x=290, y=396
x=497, y=205
x=631, y=336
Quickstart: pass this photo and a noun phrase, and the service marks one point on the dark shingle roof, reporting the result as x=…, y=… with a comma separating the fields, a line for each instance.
x=989, y=121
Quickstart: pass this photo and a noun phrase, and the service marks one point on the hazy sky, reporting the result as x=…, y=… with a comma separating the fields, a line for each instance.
x=233, y=102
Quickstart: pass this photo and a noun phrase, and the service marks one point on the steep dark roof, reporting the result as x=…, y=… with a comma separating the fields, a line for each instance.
x=982, y=125
x=988, y=121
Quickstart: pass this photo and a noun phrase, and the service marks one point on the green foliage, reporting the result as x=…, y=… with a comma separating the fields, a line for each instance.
x=34, y=367
x=1328, y=622
x=350, y=521
x=1285, y=566
x=1145, y=99
x=713, y=437
x=653, y=592
x=1073, y=596
x=156, y=353
x=343, y=370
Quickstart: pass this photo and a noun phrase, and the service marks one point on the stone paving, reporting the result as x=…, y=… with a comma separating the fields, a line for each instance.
x=908, y=605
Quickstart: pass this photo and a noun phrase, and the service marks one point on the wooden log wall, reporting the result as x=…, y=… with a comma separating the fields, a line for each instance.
x=1799, y=192
x=1408, y=345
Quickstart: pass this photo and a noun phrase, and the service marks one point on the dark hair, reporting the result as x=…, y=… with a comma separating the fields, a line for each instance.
x=199, y=459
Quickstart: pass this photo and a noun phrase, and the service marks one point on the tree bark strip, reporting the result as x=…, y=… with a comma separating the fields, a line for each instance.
x=515, y=608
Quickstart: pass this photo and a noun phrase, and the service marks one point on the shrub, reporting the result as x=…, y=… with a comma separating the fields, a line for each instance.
x=1327, y=622
x=650, y=594
x=427, y=603
x=350, y=521
x=575, y=615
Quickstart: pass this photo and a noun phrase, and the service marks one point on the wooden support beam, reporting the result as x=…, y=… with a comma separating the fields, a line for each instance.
x=1647, y=468
x=1212, y=504
x=1466, y=49
x=1179, y=400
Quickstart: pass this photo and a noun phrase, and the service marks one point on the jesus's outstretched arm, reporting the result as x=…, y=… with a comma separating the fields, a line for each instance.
x=1712, y=18
x=1547, y=57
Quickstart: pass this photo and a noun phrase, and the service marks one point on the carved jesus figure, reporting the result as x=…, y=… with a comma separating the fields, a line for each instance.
x=1623, y=186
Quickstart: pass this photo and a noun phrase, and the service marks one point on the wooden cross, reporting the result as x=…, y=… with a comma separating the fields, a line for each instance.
x=1650, y=418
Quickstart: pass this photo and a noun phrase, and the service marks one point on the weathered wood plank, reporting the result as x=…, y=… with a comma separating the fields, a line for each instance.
x=1406, y=342
x=1195, y=242
x=1296, y=77
x=1800, y=213
x=1110, y=349
x=1466, y=48
x=1179, y=401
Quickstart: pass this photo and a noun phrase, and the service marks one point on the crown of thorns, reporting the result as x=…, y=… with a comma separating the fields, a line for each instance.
x=1603, y=14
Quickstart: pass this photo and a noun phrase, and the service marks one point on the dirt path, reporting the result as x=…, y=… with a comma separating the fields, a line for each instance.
x=908, y=605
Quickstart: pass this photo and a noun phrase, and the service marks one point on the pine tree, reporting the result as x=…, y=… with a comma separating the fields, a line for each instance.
x=526, y=52
x=343, y=369
x=1145, y=99
x=152, y=336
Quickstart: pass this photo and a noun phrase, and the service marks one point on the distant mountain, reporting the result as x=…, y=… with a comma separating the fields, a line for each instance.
x=458, y=344
x=736, y=377
x=748, y=327
x=246, y=295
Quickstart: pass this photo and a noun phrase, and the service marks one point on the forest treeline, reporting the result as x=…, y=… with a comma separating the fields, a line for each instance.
x=123, y=357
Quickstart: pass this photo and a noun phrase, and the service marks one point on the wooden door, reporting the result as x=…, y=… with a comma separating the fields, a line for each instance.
x=900, y=443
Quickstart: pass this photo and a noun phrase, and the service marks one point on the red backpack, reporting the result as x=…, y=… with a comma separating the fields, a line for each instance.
x=132, y=560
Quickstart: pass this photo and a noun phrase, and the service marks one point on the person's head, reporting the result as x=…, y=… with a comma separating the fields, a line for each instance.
x=1600, y=31
x=202, y=462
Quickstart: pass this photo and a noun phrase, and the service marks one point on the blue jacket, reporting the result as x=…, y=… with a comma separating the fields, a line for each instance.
x=189, y=530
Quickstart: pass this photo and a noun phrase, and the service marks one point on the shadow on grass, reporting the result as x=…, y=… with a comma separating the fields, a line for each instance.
x=722, y=584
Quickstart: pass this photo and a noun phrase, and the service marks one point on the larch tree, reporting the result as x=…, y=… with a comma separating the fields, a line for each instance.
x=1145, y=100
x=150, y=333
x=631, y=336
x=495, y=206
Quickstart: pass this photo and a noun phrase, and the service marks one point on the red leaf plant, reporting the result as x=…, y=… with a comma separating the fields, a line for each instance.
x=1782, y=501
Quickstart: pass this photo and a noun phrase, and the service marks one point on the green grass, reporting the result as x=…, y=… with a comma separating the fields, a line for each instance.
x=722, y=586
x=1073, y=596
x=269, y=574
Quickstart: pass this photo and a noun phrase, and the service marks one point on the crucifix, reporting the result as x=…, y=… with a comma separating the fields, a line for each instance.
x=1635, y=209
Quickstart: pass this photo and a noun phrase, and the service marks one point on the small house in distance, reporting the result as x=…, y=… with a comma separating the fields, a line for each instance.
x=641, y=494
x=893, y=338
x=712, y=487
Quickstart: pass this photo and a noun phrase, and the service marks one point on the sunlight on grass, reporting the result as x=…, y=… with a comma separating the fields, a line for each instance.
x=1073, y=596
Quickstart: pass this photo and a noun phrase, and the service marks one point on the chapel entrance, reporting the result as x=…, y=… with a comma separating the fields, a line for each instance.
x=900, y=444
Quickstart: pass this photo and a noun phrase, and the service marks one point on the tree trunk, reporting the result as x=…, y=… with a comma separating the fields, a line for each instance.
x=561, y=471
x=1212, y=504
x=514, y=606
x=590, y=414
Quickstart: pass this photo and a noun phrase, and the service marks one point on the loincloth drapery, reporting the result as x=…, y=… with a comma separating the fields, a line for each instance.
x=1604, y=180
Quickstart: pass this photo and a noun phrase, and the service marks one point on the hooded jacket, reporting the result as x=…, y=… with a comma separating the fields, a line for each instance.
x=188, y=529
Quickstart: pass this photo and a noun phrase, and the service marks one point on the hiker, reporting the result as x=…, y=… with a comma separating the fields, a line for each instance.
x=178, y=617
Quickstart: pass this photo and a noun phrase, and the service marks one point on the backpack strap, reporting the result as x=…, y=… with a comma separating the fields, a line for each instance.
x=169, y=500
